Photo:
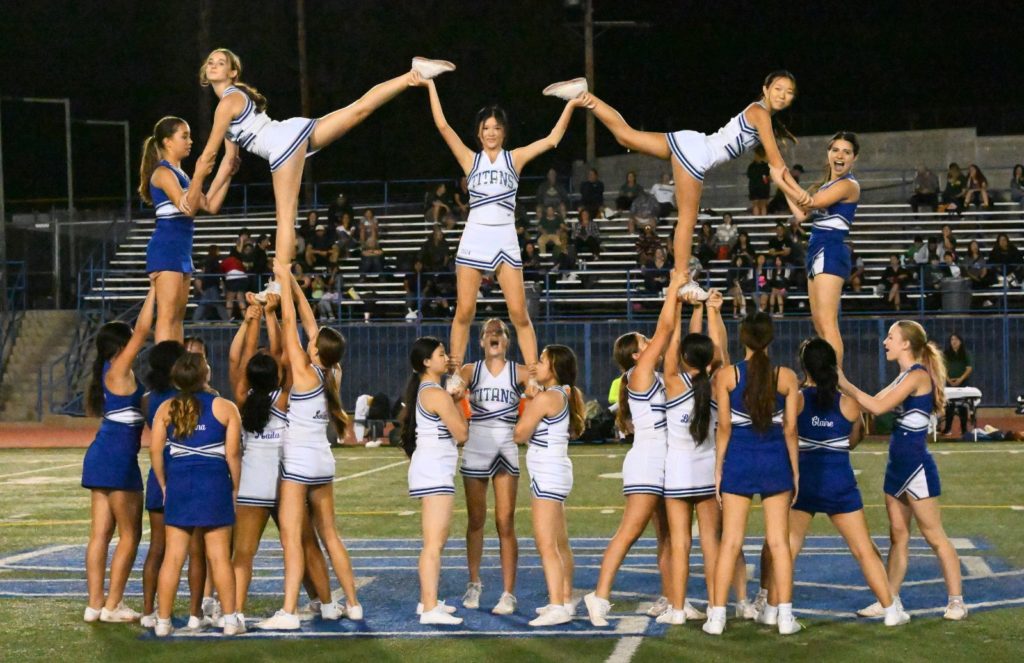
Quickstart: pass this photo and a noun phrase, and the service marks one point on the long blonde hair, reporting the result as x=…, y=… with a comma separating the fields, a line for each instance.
x=930, y=356
x=151, y=147
x=236, y=65
x=188, y=375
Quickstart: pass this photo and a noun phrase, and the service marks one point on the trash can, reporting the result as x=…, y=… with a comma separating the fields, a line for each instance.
x=532, y=300
x=956, y=295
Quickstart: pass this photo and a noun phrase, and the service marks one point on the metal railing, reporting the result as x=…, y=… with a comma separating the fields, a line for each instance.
x=11, y=318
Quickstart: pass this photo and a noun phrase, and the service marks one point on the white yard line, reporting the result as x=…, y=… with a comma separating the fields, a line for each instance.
x=40, y=469
x=627, y=647
x=376, y=469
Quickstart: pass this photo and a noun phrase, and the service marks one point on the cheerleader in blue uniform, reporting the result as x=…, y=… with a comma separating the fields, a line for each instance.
x=489, y=241
x=199, y=482
x=829, y=427
x=692, y=153
x=756, y=455
x=110, y=469
x=831, y=210
x=161, y=360
x=241, y=118
x=550, y=420
x=432, y=426
x=912, y=485
x=176, y=200
x=641, y=412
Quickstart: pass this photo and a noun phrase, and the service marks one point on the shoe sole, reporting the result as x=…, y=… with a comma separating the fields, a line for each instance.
x=551, y=90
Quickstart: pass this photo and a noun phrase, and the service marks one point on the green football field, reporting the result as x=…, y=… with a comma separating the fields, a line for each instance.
x=43, y=508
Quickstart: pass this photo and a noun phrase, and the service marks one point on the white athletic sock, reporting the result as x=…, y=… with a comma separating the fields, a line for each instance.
x=894, y=607
x=956, y=597
x=716, y=612
x=785, y=609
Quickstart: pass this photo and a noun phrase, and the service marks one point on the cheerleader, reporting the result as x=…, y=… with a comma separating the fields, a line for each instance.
x=161, y=360
x=199, y=484
x=550, y=420
x=829, y=427
x=431, y=426
x=489, y=239
x=831, y=210
x=756, y=453
x=642, y=412
x=165, y=186
x=491, y=454
x=261, y=393
x=110, y=469
x=307, y=464
x=693, y=154
x=912, y=484
x=241, y=118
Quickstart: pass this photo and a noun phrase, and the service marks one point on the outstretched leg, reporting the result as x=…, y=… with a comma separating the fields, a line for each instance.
x=648, y=142
x=333, y=126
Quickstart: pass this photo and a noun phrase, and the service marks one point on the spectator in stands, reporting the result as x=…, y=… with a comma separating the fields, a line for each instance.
x=303, y=279
x=552, y=194
x=522, y=221
x=778, y=204
x=742, y=248
x=438, y=203
x=950, y=268
x=798, y=239
x=533, y=270
x=628, y=192
x=856, y=269
x=207, y=285
x=977, y=270
x=553, y=232
x=706, y=248
x=741, y=282
x=894, y=278
x=337, y=208
x=655, y=272
x=330, y=297
x=1017, y=185
x=462, y=197
x=953, y=195
x=926, y=190
x=946, y=244
x=368, y=227
x=780, y=245
x=306, y=231
x=778, y=281
x=261, y=265
x=648, y=244
x=346, y=237
x=958, y=372
x=977, y=188
x=371, y=260
x=236, y=282
x=435, y=253
x=643, y=211
x=916, y=254
x=422, y=293
x=760, y=279
x=1007, y=258
x=665, y=193
x=759, y=183
x=727, y=232
x=592, y=194
x=586, y=235
x=322, y=251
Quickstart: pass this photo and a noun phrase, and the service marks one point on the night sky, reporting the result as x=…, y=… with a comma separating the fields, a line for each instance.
x=892, y=66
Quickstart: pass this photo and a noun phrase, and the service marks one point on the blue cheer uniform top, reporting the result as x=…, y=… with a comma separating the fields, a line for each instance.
x=112, y=460
x=155, y=496
x=827, y=482
x=170, y=247
x=756, y=462
x=199, y=485
x=911, y=470
x=827, y=252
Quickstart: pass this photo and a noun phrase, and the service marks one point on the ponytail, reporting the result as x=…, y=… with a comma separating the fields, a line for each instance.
x=625, y=347
x=261, y=374
x=162, y=130
x=422, y=349
x=623, y=417
x=577, y=414
x=565, y=367
x=931, y=357
x=698, y=351
x=189, y=376
x=257, y=97
x=338, y=415
x=110, y=340
x=759, y=394
x=820, y=363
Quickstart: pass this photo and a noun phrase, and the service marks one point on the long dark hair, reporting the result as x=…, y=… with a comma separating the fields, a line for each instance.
x=189, y=375
x=261, y=373
x=756, y=333
x=162, y=130
x=778, y=128
x=697, y=351
x=565, y=367
x=111, y=339
x=484, y=114
x=422, y=349
x=625, y=347
x=819, y=362
x=850, y=138
x=950, y=353
x=161, y=361
x=330, y=346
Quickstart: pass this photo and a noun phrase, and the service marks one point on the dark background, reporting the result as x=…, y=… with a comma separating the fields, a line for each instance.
x=859, y=67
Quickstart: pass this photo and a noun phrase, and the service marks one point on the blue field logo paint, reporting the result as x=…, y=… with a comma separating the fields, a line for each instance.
x=828, y=586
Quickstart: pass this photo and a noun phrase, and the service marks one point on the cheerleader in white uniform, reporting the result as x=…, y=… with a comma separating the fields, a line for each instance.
x=491, y=454
x=489, y=239
x=241, y=118
x=692, y=153
x=431, y=427
x=550, y=419
x=307, y=464
x=642, y=412
x=261, y=392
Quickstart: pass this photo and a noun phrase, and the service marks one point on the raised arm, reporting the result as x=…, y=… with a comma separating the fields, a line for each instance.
x=218, y=191
x=297, y=357
x=643, y=374
x=524, y=155
x=121, y=365
x=716, y=328
x=228, y=108
x=302, y=304
x=463, y=154
x=243, y=346
x=671, y=364
x=273, y=326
